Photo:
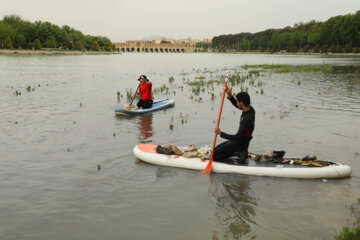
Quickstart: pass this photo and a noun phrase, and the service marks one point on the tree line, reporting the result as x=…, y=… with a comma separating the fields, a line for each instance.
x=337, y=34
x=21, y=34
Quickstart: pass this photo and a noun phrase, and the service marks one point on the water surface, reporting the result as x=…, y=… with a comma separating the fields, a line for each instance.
x=68, y=171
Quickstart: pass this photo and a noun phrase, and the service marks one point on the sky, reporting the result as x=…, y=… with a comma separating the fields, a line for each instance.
x=122, y=20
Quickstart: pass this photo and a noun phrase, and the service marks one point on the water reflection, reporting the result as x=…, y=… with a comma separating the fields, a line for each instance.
x=234, y=209
x=145, y=128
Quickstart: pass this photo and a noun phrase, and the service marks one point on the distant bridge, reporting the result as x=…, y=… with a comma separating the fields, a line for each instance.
x=144, y=46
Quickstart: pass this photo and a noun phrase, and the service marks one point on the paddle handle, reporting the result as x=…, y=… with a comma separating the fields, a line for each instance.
x=135, y=94
x=207, y=170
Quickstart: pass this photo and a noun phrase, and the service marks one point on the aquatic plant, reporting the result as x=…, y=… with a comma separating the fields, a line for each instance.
x=353, y=232
x=98, y=167
x=283, y=68
x=171, y=79
x=254, y=72
x=129, y=94
x=171, y=127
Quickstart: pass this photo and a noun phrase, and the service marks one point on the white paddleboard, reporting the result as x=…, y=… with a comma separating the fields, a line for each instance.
x=157, y=105
x=147, y=153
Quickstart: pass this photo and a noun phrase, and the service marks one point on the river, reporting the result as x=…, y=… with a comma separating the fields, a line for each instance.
x=67, y=170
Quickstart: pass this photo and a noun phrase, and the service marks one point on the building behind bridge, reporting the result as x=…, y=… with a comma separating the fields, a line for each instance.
x=159, y=45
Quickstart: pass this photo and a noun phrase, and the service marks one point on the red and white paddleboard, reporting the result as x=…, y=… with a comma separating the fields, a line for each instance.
x=147, y=153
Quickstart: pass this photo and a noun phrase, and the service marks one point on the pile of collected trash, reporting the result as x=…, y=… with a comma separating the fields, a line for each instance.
x=187, y=151
x=278, y=157
x=130, y=107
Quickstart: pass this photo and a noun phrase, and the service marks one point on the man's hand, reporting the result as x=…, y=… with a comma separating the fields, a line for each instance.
x=228, y=91
x=217, y=131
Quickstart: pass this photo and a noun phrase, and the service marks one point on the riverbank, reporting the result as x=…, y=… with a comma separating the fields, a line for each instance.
x=52, y=52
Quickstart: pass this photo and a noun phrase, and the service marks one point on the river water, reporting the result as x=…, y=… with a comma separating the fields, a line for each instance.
x=67, y=170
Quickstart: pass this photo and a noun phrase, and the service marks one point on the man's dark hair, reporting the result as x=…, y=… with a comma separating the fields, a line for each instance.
x=244, y=97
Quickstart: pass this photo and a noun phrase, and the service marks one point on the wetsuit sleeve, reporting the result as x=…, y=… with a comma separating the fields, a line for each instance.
x=233, y=101
x=245, y=125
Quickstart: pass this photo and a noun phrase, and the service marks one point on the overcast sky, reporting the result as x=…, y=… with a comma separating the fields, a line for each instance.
x=122, y=20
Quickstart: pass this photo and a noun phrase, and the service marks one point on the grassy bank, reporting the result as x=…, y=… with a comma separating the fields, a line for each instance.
x=282, y=68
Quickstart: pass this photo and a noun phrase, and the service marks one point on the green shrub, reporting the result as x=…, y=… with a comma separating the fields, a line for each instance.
x=348, y=48
x=8, y=43
x=78, y=45
x=333, y=48
x=339, y=49
x=108, y=47
x=95, y=46
x=347, y=234
x=37, y=44
x=324, y=49
x=316, y=49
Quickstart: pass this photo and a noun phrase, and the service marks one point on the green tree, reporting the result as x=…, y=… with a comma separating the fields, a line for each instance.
x=339, y=49
x=8, y=43
x=108, y=47
x=348, y=48
x=79, y=45
x=37, y=44
x=114, y=47
x=333, y=48
x=324, y=49
x=316, y=49
x=50, y=42
x=95, y=46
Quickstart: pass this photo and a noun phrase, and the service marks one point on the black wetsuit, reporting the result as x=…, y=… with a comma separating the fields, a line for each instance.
x=239, y=142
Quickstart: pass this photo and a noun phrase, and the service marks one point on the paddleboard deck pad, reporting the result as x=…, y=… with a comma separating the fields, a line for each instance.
x=147, y=153
x=157, y=105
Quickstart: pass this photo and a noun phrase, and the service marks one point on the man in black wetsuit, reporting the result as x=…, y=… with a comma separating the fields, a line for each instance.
x=237, y=144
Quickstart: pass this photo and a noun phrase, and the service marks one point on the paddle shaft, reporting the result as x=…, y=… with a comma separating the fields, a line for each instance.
x=207, y=170
x=135, y=94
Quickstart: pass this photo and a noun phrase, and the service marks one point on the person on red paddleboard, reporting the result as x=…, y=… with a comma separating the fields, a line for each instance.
x=146, y=99
x=237, y=144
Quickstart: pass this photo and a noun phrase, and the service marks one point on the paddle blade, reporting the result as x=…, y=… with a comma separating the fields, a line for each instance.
x=207, y=170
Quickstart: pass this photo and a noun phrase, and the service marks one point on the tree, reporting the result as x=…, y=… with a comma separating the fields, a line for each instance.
x=78, y=45
x=339, y=49
x=37, y=44
x=324, y=49
x=316, y=49
x=8, y=43
x=333, y=48
x=95, y=46
x=108, y=47
x=348, y=48
x=51, y=42
x=114, y=47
